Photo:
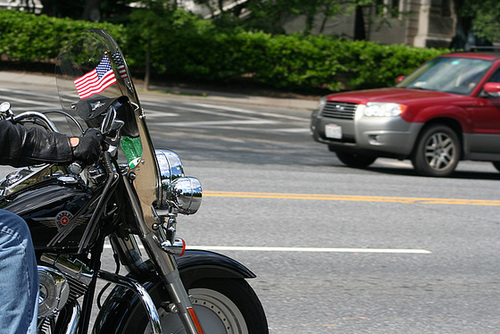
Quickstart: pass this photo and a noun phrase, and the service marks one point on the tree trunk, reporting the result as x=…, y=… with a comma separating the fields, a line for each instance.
x=48, y=8
x=310, y=16
x=148, y=65
x=326, y=16
x=359, y=25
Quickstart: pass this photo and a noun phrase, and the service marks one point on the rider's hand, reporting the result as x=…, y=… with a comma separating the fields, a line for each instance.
x=87, y=148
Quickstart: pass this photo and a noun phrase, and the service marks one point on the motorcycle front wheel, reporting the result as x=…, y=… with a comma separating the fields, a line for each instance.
x=223, y=306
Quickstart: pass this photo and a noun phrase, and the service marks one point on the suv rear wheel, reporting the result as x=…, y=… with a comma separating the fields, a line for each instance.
x=356, y=160
x=437, y=152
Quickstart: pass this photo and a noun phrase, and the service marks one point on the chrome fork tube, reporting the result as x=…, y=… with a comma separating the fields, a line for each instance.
x=167, y=266
x=172, y=280
x=74, y=317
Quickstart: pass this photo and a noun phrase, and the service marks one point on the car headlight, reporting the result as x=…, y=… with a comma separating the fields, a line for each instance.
x=383, y=109
x=321, y=105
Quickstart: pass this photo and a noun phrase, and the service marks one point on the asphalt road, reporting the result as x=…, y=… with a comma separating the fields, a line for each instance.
x=336, y=250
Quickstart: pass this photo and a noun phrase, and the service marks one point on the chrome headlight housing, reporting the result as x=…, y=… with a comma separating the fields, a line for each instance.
x=177, y=192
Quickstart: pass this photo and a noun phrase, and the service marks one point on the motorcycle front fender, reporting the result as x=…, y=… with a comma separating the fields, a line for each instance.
x=197, y=264
x=193, y=265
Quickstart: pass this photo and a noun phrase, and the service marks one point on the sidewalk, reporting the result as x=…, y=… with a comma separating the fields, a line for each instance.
x=21, y=79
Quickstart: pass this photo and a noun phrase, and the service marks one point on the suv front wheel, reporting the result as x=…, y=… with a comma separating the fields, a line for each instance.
x=437, y=152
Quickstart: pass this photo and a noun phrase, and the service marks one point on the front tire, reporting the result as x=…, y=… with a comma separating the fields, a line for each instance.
x=437, y=152
x=223, y=306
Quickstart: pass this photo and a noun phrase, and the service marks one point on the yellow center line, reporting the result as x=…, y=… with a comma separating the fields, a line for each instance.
x=408, y=200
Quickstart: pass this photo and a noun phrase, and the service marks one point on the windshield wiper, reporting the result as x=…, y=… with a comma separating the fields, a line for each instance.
x=418, y=88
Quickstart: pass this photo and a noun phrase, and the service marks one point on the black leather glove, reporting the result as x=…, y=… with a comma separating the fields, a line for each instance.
x=88, y=149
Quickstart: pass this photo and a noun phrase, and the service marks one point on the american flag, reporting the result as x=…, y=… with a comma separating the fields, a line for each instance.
x=96, y=80
x=120, y=65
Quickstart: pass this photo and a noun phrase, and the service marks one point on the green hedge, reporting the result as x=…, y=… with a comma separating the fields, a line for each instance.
x=291, y=61
x=183, y=45
x=27, y=37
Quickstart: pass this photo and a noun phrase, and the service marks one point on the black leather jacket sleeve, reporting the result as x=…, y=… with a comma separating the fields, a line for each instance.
x=20, y=146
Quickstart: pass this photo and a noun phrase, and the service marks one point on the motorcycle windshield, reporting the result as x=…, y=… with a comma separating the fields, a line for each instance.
x=92, y=75
x=93, y=79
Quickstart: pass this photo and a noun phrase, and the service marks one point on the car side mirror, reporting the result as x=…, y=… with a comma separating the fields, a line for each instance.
x=400, y=78
x=492, y=88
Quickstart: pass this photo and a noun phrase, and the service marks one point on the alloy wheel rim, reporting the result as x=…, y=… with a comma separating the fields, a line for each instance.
x=440, y=151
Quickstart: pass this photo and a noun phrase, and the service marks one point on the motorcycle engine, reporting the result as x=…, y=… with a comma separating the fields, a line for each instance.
x=63, y=279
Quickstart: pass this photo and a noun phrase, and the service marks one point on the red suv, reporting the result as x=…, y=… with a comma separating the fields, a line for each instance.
x=445, y=111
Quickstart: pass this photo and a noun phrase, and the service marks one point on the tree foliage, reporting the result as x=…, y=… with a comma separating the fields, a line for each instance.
x=485, y=16
x=479, y=17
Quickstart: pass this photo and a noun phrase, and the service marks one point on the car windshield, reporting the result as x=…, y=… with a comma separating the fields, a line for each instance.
x=448, y=74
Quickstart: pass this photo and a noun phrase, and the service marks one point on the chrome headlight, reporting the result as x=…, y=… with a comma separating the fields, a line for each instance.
x=185, y=195
x=382, y=109
x=178, y=192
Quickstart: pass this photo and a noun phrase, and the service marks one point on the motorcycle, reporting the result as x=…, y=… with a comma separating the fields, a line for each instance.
x=131, y=196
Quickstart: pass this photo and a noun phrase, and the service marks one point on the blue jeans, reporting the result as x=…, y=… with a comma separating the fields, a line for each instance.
x=18, y=276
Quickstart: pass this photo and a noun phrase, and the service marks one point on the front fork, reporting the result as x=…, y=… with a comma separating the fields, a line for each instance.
x=167, y=265
x=162, y=247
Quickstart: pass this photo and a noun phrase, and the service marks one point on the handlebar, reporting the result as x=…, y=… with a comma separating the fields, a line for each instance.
x=34, y=114
x=75, y=167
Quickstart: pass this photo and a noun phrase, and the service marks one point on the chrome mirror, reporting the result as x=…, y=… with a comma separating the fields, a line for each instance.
x=110, y=122
x=5, y=110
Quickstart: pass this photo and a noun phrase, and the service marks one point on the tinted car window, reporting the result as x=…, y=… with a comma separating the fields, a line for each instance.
x=448, y=74
x=495, y=77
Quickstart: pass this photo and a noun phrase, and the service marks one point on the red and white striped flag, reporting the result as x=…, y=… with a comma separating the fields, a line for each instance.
x=96, y=80
x=120, y=65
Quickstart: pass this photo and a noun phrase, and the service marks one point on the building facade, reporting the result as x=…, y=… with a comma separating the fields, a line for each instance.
x=422, y=23
x=34, y=6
